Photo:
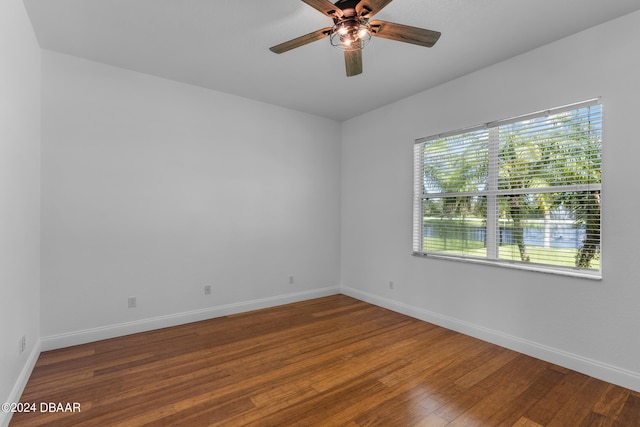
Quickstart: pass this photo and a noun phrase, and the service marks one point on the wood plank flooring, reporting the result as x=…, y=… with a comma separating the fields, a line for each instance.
x=333, y=361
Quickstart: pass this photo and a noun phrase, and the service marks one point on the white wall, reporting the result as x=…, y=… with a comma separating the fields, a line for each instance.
x=19, y=198
x=588, y=325
x=153, y=189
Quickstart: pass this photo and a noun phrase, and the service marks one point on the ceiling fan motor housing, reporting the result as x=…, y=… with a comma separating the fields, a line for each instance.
x=351, y=32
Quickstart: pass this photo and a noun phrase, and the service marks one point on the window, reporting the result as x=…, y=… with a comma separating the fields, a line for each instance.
x=523, y=192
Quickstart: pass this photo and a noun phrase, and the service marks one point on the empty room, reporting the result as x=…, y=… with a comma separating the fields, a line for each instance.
x=304, y=212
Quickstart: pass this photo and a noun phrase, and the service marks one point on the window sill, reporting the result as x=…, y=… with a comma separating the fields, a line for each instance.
x=572, y=272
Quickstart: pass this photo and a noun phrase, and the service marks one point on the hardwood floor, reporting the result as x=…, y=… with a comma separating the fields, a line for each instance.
x=333, y=361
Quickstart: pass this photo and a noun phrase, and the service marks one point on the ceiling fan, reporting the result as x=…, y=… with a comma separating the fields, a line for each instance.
x=352, y=30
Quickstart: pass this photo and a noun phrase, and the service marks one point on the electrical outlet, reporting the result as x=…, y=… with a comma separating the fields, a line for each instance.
x=132, y=303
x=207, y=289
x=391, y=284
x=291, y=280
x=22, y=345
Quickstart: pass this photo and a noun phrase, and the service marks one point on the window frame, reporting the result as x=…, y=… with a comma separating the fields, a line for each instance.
x=492, y=193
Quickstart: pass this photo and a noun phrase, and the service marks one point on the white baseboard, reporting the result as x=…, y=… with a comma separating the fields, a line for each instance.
x=111, y=331
x=593, y=368
x=21, y=383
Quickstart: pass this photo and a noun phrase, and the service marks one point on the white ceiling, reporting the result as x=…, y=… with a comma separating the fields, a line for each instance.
x=224, y=44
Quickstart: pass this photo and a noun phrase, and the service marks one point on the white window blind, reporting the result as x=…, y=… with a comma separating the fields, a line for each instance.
x=522, y=192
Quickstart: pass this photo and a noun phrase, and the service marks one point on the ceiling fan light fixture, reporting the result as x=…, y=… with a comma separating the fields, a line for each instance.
x=351, y=30
x=350, y=34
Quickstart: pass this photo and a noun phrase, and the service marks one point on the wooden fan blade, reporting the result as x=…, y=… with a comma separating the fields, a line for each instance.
x=404, y=33
x=353, y=61
x=301, y=41
x=368, y=8
x=325, y=6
